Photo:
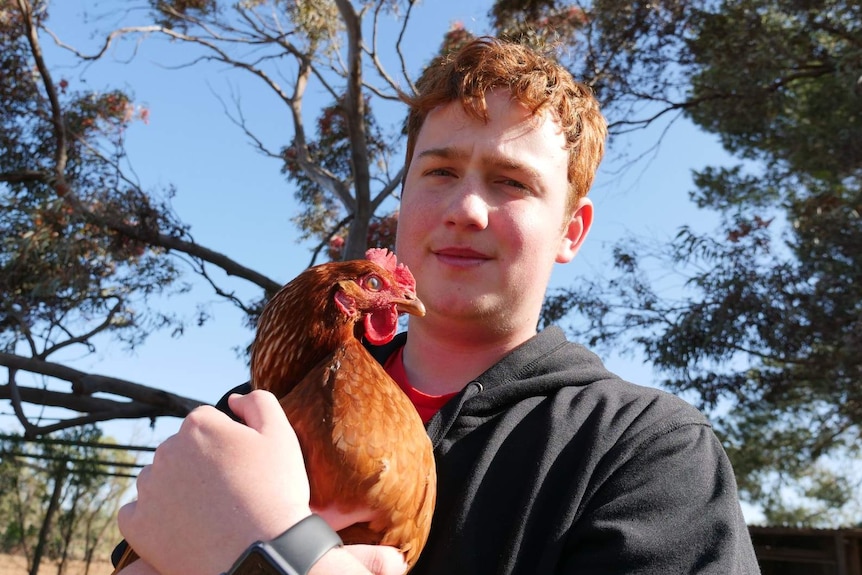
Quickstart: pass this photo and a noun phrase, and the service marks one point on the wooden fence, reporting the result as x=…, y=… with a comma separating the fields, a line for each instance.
x=790, y=551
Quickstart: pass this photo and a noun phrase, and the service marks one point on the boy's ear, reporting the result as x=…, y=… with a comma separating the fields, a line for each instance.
x=576, y=231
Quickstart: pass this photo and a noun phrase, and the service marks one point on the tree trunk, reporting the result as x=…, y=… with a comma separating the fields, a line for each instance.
x=69, y=531
x=53, y=507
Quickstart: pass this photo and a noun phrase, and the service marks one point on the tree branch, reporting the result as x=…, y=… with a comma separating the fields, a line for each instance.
x=354, y=111
x=316, y=173
x=84, y=385
x=60, y=152
x=83, y=338
x=375, y=59
x=388, y=189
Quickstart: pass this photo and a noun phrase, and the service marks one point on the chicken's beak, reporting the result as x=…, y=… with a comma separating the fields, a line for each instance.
x=413, y=306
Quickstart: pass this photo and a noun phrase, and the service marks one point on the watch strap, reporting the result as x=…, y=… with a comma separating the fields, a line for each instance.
x=303, y=544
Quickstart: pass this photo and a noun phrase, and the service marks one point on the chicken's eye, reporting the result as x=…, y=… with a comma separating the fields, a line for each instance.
x=374, y=283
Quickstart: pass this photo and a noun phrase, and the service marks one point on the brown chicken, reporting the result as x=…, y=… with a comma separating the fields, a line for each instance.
x=365, y=446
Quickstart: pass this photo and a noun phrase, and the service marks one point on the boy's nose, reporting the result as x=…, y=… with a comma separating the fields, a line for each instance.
x=468, y=208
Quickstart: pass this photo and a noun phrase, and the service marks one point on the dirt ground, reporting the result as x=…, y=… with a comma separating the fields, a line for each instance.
x=15, y=565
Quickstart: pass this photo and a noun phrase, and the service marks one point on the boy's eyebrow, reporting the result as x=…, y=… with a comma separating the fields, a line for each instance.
x=497, y=160
x=445, y=153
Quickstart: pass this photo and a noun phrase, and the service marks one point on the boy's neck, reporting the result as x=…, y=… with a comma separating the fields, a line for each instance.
x=438, y=363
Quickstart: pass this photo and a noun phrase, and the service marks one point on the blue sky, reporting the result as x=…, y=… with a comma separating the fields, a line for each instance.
x=238, y=203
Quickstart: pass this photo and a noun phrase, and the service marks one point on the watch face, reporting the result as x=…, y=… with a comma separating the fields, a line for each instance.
x=256, y=562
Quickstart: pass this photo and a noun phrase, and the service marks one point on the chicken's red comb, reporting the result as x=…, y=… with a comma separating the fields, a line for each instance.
x=387, y=260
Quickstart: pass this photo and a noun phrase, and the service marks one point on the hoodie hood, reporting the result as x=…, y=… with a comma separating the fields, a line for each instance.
x=532, y=369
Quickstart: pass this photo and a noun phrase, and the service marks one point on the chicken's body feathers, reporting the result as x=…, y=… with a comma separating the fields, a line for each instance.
x=377, y=467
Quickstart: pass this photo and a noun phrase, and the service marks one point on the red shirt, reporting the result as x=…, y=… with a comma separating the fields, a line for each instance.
x=426, y=405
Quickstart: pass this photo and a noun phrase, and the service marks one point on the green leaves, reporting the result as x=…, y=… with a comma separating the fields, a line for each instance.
x=758, y=321
x=59, y=496
x=66, y=272
x=777, y=81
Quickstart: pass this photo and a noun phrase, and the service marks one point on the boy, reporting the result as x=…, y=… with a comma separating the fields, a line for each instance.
x=546, y=462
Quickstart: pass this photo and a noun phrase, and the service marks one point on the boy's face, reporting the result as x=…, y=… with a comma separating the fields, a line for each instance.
x=482, y=217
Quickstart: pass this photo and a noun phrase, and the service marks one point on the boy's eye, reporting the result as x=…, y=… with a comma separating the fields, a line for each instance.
x=439, y=172
x=520, y=187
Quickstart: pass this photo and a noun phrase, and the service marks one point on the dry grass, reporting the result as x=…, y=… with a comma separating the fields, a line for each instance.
x=17, y=565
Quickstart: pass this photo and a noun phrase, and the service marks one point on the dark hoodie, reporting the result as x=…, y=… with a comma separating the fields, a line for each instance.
x=549, y=464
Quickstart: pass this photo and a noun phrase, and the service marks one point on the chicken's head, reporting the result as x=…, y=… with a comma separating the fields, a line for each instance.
x=381, y=290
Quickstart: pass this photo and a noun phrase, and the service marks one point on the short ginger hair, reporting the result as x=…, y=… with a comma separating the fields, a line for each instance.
x=536, y=81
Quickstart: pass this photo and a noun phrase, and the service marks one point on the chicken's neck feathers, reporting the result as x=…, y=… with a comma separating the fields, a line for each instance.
x=298, y=329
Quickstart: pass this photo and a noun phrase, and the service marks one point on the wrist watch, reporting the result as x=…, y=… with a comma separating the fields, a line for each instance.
x=291, y=553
